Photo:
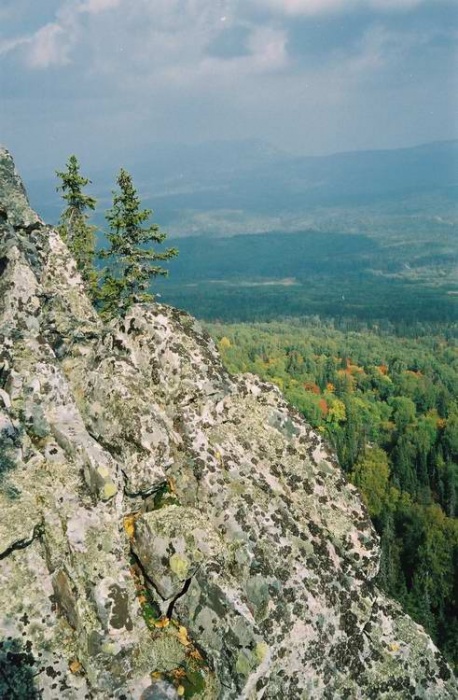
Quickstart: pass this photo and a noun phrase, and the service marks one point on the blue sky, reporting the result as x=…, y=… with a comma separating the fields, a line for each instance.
x=101, y=77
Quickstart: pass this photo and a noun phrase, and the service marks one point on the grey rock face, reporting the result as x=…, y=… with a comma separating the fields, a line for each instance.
x=168, y=530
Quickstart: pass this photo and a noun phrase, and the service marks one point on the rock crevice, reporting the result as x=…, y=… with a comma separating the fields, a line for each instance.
x=23, y=543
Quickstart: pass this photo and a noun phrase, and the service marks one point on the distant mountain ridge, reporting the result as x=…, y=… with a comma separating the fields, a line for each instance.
x=245, y=186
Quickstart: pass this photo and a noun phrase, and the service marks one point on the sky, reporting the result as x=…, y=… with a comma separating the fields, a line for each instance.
x=100, y=78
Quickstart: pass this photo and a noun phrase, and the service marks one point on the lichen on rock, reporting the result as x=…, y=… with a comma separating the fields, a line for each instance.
x=169, y=530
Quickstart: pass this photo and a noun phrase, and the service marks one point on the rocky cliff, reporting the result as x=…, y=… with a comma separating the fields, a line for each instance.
x=168, y=530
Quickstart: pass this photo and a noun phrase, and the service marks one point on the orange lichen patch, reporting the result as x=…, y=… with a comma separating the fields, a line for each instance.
x=129, y=524
x=441, y=423
x=172, y=484
x=330, y=387
x=383, y=369
x=136, y=575
x=196, y=655
x=75, y=666
x=178, y=673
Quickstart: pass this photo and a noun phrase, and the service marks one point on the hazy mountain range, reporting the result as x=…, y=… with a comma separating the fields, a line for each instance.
x=224, y=188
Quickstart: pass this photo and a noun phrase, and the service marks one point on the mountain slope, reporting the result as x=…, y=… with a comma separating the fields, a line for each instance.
x=169, y=530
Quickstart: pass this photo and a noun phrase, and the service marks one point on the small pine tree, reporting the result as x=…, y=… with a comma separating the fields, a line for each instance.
x=131, y=256
x=73, y=225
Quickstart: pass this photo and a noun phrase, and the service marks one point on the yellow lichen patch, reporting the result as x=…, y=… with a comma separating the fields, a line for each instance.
x=182, y=636
x=108, y=491
x=163, y=622
x=261, y=651
x=180, y=565
x=394, y=646
x=180, y=691
x=75, y=666
x=129, y=524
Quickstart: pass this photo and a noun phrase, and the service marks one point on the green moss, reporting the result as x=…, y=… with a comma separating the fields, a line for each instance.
x=191, y=675
x=194, y=683
x=149, y=609
x=164, y=497
x=151, y=613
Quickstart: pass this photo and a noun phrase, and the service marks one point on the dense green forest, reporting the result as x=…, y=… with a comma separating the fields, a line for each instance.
x=388, y=406
x=267, y=276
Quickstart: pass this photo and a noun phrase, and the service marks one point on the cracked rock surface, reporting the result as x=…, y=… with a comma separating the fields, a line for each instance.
x=168, y=530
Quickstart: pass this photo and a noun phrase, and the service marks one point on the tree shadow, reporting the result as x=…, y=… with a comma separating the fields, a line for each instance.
x=17, y=670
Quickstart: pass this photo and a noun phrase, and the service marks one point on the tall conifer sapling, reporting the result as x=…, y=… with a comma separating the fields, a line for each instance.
x=132, y=260
x=74, y=226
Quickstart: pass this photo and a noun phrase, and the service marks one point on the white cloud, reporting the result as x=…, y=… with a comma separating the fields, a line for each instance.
x=152, y=53
x=266, y=55
x=165, y=45
x=306, y=7
x=51, y=45
x=96, y=6
x=322, y=7
x=268, y=48
x=168, y=39
x=9, y=45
